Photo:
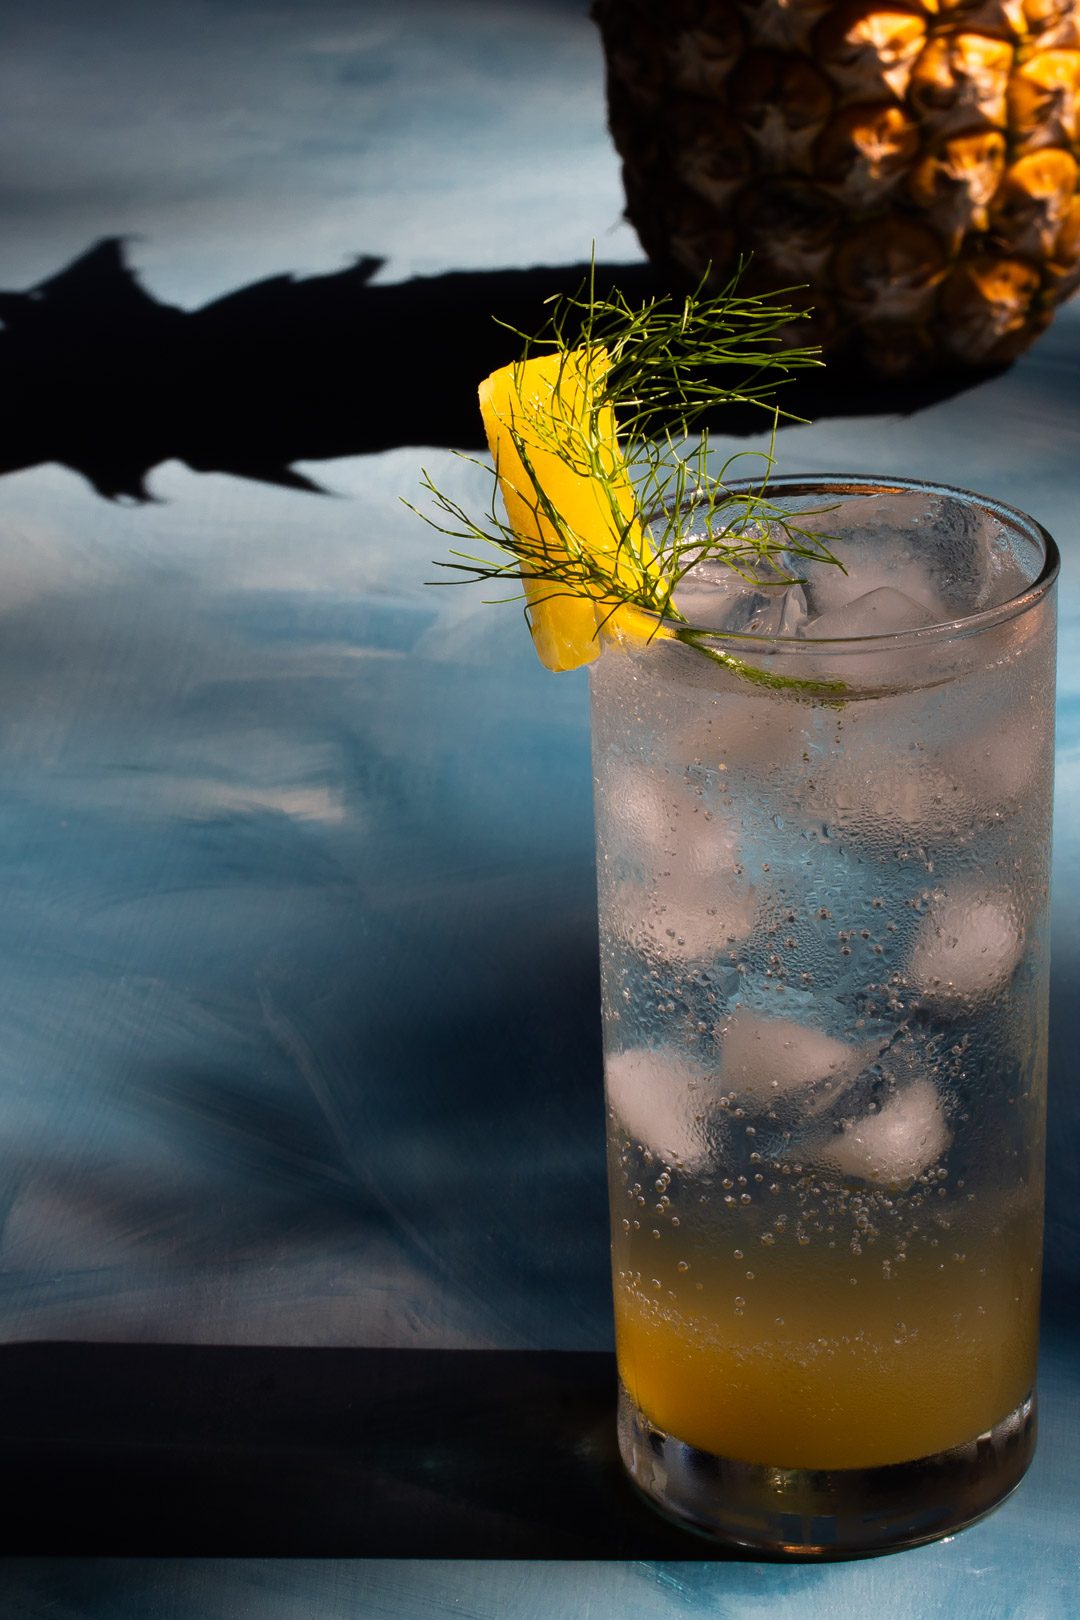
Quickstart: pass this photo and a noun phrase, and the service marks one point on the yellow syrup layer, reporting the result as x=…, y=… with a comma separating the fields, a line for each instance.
x=844, y=1364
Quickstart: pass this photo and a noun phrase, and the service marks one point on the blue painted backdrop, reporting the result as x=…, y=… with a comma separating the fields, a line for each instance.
x=298, y=1036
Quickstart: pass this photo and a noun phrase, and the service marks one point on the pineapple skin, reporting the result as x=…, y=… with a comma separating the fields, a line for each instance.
x=914, y=165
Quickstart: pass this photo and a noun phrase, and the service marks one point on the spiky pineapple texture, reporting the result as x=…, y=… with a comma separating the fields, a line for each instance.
x=914, y=162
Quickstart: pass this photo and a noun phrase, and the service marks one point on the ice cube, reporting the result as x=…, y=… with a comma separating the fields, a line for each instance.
x=1003, y=564
x=702, y=900
x=681, y=931
x=746, y=731
x=883, y=611
x=713, y=596
x=691, y=900
x=660, y=1100
x=968, y=945
x=952, y=554
x=765, y=1058
x=633, y=801
x=892, y=1147
x=998, y=761
x=884, y=798
x=679, y=918
x=887, y=540
x=697, y=932
x=830, y=589
x=665, y=820
x=794, y=612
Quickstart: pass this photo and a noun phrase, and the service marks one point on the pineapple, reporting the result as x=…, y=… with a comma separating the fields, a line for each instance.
x=912, y=162
x=561, y=473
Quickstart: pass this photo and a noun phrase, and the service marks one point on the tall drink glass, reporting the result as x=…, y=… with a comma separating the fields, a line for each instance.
x=823, y=880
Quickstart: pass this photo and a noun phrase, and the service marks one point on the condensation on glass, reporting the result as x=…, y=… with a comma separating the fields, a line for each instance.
x=823, y=878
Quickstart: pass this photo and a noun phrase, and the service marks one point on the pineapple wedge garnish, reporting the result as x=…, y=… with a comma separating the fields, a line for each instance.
x=569, y=499
x=573, y=535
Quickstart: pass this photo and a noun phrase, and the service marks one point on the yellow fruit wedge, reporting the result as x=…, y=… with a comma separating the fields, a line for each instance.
x=574, y=499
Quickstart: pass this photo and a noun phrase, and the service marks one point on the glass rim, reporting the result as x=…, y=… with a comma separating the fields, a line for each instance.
x=947, y=629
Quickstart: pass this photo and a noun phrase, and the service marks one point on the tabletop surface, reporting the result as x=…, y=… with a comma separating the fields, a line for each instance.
x=304, y=1303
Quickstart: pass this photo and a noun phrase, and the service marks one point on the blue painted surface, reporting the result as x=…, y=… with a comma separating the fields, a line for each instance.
x=1020, y=1564
x=298, y=992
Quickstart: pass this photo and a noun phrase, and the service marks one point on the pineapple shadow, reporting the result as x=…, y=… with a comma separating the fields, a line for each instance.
x=104, y=379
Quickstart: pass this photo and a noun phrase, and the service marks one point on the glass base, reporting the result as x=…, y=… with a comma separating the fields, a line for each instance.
x=828, y=1513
